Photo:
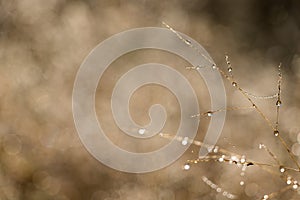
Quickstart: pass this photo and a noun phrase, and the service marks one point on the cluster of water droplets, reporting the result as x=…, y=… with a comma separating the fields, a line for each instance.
x=218, y=189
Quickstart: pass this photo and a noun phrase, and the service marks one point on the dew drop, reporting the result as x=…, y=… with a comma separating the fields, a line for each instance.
x=266, y=197
x=243, y=159
x=194, y=116
x=141, y=131
x=242, y=183
x=214, y=66
x=234, y=84
x=186, y=166
x=216, y=149
x=281, y=169
x=244, y=167
x=295, y=186
x=234, y=158
x=289, y=181
x=261, y=146
x=278, y=103
x=188, y=42
x=210, y=148
x=276, y=133
x=185, y=141
x=213, y=186
x=229, y=69
x=221, y=159
x=209, y=113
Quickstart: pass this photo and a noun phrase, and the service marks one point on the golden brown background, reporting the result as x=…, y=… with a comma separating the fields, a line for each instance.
x=42, y=44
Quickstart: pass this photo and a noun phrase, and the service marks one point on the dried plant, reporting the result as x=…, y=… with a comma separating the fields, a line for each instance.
x=221, y=155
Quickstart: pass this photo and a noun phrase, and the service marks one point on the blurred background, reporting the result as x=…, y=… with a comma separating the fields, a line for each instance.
x=43, y=43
